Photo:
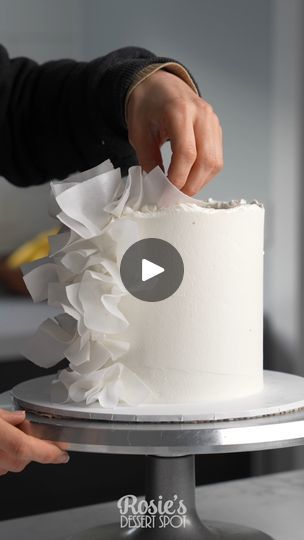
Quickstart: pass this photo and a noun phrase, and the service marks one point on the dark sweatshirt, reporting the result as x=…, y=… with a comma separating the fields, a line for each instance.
x=65, y=116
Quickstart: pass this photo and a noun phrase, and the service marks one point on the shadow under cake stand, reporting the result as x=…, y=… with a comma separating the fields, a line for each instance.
x=170, y=436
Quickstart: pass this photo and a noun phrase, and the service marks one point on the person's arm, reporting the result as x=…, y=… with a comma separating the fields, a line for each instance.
x=63, y=116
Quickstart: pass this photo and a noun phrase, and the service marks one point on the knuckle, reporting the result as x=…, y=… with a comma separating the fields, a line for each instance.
x=178, y=185
x=179, y=106
x=19, y=450
x=190, y=191
x=188, y=153
x=217, y=165
x=49, y=455
x=220, y=165
x=17, y=466
x=206, y=107
x=183, y=105
x=211, y=162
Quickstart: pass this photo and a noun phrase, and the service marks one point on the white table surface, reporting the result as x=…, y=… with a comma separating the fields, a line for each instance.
x=272, y=503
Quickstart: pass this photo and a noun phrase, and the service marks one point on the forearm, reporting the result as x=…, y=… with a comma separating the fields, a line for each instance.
x=64, y=116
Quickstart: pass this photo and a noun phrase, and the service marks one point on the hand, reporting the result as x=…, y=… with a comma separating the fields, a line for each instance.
x=164, y=107
x=17, y=449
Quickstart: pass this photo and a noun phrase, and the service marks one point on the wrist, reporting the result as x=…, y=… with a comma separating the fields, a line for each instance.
x=170, y=67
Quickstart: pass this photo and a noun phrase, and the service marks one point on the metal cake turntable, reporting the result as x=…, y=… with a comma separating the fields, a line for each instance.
x=170, y=436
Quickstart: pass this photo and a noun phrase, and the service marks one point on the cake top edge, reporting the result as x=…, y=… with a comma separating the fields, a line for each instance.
x=209, y=205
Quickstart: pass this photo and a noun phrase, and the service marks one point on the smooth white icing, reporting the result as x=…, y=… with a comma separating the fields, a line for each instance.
x=206, y=340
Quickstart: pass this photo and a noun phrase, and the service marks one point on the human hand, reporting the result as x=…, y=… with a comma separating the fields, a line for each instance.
x=164, y=107
x=18, y=449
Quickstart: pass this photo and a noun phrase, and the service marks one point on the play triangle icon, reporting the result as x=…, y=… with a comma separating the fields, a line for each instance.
x=150, y=269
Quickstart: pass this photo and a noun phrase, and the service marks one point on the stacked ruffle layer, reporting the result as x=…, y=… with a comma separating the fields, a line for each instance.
x=81, y=277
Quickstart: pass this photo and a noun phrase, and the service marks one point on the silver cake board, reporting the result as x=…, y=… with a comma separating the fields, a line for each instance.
x=281, y=393
x=170, y=436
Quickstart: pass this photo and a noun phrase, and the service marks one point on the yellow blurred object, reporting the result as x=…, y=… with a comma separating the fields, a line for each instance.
x=32, y=250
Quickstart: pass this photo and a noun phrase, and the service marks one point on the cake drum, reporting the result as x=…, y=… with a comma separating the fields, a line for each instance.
x=170, y=436
x=281, y=393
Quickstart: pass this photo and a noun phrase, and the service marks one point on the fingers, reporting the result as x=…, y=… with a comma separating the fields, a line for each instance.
x=9, y=463
x=25, y=448
x=147, y=150
x=179, y=126
x=13, y=417
x=26, y=427
x=29, y=447
x=164, y=107
x=209, y=162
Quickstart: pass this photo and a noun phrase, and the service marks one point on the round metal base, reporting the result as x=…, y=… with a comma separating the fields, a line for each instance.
x=211, y=530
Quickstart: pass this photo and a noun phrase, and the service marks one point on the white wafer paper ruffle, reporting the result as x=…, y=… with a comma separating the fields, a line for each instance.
x=81, y=277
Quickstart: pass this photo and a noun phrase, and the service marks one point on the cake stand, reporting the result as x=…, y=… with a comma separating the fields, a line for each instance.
x=170, y=436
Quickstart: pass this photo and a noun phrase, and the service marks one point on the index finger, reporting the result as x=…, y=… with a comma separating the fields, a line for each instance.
x=27, y=448
x=26, y=427
x=180, y=131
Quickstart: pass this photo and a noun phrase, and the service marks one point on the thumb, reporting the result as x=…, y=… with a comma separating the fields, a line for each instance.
x=12, y=417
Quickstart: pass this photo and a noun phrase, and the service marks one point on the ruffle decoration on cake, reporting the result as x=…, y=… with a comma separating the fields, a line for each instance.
x=81, y=278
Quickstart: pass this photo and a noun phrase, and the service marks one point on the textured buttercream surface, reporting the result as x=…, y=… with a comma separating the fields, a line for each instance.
x=205, y=341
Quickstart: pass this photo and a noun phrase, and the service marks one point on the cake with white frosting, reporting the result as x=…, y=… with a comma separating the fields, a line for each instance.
x=204, y=342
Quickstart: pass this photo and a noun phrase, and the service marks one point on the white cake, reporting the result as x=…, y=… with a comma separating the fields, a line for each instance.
x=205, y=342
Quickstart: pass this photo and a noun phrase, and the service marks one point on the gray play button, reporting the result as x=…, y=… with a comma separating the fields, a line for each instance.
x=152, y=269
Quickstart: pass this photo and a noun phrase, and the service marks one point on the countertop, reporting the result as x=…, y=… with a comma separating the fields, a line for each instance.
x=272, y=503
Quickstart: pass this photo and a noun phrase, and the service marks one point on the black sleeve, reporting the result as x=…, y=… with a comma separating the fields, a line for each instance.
x=65, y=116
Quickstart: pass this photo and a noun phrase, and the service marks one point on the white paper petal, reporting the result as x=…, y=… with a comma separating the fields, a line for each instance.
x=136, y=196
x=82, y=277
x=116, y=348
x=46, y=348
x=82, y=230
x=109, y=396
x=58, y=241
x=101, y=168
x=37, y=280
x=116, y=207
x=78, y=261
x=78, y=354
x=85, y=201
x=159, y=191
x=58, y=187
x=67, y=323
x=98, y=357
x=124, y=233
